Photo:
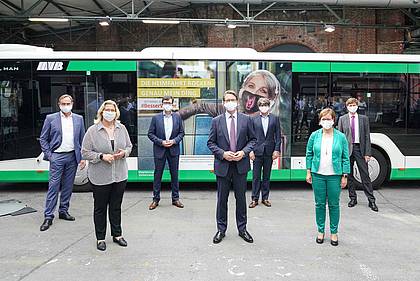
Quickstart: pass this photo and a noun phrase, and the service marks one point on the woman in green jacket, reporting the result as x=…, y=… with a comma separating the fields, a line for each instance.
x=328, y=164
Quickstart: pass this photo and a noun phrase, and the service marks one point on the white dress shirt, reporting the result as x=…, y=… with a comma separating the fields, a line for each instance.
x=264, y=121
x=325, y=162
x=356, y=127
x=235, y=117
x=168, y=124
x=67, y=141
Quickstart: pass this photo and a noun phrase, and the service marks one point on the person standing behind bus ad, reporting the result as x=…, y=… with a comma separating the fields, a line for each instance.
x=327, y=164
x=61, y=140
x=356, y=128
x=106, y=146
x=267, y=149
x=166, y=131
x=231, y=139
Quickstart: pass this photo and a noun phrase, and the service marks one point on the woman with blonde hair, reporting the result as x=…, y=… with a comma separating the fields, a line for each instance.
x=327, y=164
x=107, y=145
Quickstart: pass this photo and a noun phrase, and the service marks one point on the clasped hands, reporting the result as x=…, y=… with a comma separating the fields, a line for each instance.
x=233, y=156
x=116, y=156
x=168, y=143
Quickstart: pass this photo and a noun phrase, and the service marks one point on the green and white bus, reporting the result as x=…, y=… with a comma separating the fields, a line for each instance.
x=299, y=85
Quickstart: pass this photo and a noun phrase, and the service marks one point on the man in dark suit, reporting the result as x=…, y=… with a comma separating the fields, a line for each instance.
x=267, y=131
x=357, y=131
x=166, y=132
x=231, y=139
x=61, y=140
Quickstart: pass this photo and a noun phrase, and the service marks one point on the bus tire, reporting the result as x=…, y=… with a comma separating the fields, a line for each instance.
x=378, y=170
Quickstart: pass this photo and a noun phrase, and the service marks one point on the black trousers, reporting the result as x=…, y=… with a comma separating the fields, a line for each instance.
x=357, y=157
x=265, y=163
x=238, y=182
x=173, y=163
x=109, y=197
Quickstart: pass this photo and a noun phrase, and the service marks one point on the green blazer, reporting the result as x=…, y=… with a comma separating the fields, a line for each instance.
x=340, y=152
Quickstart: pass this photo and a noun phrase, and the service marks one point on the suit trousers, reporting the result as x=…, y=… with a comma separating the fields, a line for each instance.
x=238, y=182
x=63, y=167
x=357, y=157
x=173, y=162
x=265, y=163
x=108, y=197
x=327, y=188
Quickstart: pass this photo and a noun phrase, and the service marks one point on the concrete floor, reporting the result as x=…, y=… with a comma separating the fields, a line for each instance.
x=176, y=244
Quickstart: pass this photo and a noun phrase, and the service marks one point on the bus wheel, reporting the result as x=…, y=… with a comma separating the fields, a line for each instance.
x=378, y=170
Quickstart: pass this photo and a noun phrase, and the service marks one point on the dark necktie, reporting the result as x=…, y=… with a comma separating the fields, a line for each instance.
x=232, y=137
x=353, y=132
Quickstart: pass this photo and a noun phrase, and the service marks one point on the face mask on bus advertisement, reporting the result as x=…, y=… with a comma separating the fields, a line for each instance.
x=250, y=102
x=326, y=124
x=352, y=108
x=66, y=108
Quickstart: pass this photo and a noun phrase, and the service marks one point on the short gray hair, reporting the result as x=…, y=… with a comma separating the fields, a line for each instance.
x=65, y=96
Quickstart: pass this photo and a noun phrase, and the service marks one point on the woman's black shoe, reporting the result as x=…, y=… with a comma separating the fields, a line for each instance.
x=319, y=240
x=121, y=241
x=334, y=243
x=101, y=246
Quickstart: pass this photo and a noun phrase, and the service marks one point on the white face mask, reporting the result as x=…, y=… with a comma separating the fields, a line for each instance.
x=264, y=109
x=66, y=108
x=352, y=109
x=109, y=115
x=231, y=105
x=326, y=124
x=167, y=107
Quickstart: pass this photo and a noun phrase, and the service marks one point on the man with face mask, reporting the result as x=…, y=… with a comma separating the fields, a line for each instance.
x=356, y=128
x=267, y=149
x=166, y=131
x=231, y=139
x=61, y=140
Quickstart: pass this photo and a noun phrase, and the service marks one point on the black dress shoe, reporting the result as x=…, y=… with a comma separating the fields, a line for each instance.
x=66, y=216
x=246, y=236
x=218, y=237
x=352, y=203
x=334, y=243
x=46, y=224
x=319, y=240
x=121, y=241
x=101, y=246
x=373, y=206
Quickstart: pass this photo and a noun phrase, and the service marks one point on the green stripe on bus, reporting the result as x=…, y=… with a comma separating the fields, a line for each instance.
x=355, y=67
x=311, y=67
x=101, y=65
x=405, y=174
x=414, y=68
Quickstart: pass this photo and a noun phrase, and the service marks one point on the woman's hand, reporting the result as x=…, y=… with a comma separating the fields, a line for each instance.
x=108, y=158
x=309, y=177
x=119, y=155
x=343, y=182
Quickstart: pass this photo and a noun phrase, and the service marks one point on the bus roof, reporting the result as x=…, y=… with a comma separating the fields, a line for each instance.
x=186, y=53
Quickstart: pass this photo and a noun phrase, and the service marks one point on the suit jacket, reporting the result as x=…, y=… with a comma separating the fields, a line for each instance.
x=267, y=144
x=157, y=134
x=218, y=143
x=340, y=152
x=52, y=134
x=364, y=133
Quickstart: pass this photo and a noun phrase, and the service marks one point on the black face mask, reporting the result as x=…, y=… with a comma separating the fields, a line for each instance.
x=250, y=102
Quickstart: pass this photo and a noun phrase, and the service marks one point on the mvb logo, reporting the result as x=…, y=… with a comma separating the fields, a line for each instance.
x=50, y=65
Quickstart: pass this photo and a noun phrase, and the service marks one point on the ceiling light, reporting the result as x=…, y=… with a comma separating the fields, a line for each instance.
x=162, y=21
x=231, y=25
x=105, y=22
x=329, y=28
x=49, y=19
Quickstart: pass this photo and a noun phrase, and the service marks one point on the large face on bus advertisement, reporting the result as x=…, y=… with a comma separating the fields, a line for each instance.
x=197, y=88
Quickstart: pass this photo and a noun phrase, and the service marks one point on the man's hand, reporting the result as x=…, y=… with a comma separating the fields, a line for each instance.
x=276, y=154
x=252, y=155
x=168, y=143
x=108, y=158
x=229, y=155
x=119, y=155
x=239, y=155
x=82, y=164
x=367, y=158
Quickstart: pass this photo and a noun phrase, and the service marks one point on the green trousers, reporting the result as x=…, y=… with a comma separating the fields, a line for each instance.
x=327, y=187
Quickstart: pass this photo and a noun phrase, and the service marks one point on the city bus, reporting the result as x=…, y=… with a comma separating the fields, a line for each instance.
x=298, y=85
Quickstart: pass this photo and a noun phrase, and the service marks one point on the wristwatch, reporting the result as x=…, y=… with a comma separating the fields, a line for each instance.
x=101, y=156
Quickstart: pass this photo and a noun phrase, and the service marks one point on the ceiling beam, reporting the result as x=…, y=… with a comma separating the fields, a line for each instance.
x=103, y=10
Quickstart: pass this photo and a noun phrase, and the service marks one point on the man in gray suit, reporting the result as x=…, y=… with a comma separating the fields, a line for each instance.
x=231, y=139
x=357, y=131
